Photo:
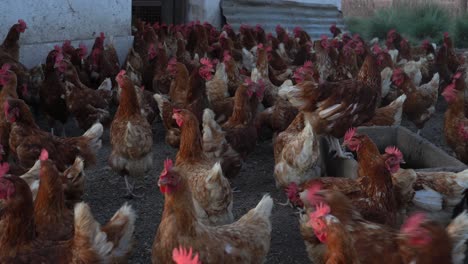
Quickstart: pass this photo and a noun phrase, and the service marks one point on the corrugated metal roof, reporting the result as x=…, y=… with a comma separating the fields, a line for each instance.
x=313, y=18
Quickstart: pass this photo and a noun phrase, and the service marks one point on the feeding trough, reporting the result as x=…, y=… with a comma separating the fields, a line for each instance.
x=419, y=153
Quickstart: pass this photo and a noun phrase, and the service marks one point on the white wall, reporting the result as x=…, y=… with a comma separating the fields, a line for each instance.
x=52, y=21
x=205, y=10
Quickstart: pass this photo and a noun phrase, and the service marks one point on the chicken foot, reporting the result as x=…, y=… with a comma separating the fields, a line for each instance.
x=130, y=189
x=335, y=146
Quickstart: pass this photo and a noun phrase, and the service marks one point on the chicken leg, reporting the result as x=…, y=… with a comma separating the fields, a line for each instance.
x=130, y=189
x=334, y=146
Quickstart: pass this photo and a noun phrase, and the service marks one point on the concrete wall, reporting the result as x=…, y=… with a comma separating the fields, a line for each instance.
x=205, y=10
x=52, y=21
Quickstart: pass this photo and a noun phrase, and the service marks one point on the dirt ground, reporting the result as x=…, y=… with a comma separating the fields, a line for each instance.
x=105, y=192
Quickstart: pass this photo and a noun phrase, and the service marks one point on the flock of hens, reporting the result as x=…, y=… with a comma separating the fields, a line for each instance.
x=216, y=94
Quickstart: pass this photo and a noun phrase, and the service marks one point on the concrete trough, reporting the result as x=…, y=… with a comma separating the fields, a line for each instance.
x=419, y=153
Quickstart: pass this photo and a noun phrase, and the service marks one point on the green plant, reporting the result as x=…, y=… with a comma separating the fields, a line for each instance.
x=414, y=22
x=460, y=31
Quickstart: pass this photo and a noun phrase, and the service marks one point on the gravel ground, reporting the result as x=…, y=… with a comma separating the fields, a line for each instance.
x=105, y=192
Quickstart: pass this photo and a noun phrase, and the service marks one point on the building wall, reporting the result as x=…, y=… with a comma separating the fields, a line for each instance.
x=52, y=21
x=205, y=10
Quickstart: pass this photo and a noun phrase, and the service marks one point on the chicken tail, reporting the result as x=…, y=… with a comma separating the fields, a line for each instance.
x=264, y=207
x=94, y=135
x=428, y=199
x=462, y=179
x=88, y=234
x=398, y=105
x=120, y=230
x=106, y=85
x=458, y=232
x=212, y=143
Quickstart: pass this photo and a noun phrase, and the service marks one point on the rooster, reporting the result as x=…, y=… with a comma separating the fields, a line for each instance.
x=245, y=241
x=131, y=136
x=337, y=106
x=27, y=139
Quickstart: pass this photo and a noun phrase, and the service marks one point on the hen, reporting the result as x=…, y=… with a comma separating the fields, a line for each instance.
x=52, y=91
x=240, y=128
x=420, y=103
x=455, y=122
x=87, y=105
x=212, y=194
x=297, y=153
x=89, y=244
x=8, y=81
x=130, y=135
x=337, y=106
x=54, y=221
x=437, y=193
x=372, y=192
x=10, y=44
x=245, y=241
x=216, y=146
x=420, y=240
x=27, y=139
x=390, y=115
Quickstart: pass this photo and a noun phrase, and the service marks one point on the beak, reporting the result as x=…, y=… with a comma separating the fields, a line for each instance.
x=163, y=181
x=402, y=162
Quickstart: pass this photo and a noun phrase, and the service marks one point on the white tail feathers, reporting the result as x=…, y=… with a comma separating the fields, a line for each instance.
x=86, y=226
x=215, y=174
x=94, y=134
x=292, y=94
x=124, y=218
x=106, y=85
x=265, y=206
x=458, y=232
x=462, y=179
x=435, y=78
x=428, y=199
x=386, y=76
x=208, y=116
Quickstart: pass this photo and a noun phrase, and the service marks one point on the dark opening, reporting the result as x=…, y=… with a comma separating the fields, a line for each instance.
x=147, y=10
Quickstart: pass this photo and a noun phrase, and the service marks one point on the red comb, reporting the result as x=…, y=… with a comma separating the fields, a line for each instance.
x=102, y=36
x=22, y=24
x=121, y=73
x=446, y=34
x=320, y=210
x=312, y=191
x=350, y=134
x=168, y=164
x=4, y=168
x=44, y=155
x=172, y=61
x=84, y=49
x=206, y=62
x=308, y=64
x=413, y=222
x=58, y=48
x=183, y=256
x=392, y=150
x=5, y=67
x=260, y=46
x=457, y=75
x=67, y=43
